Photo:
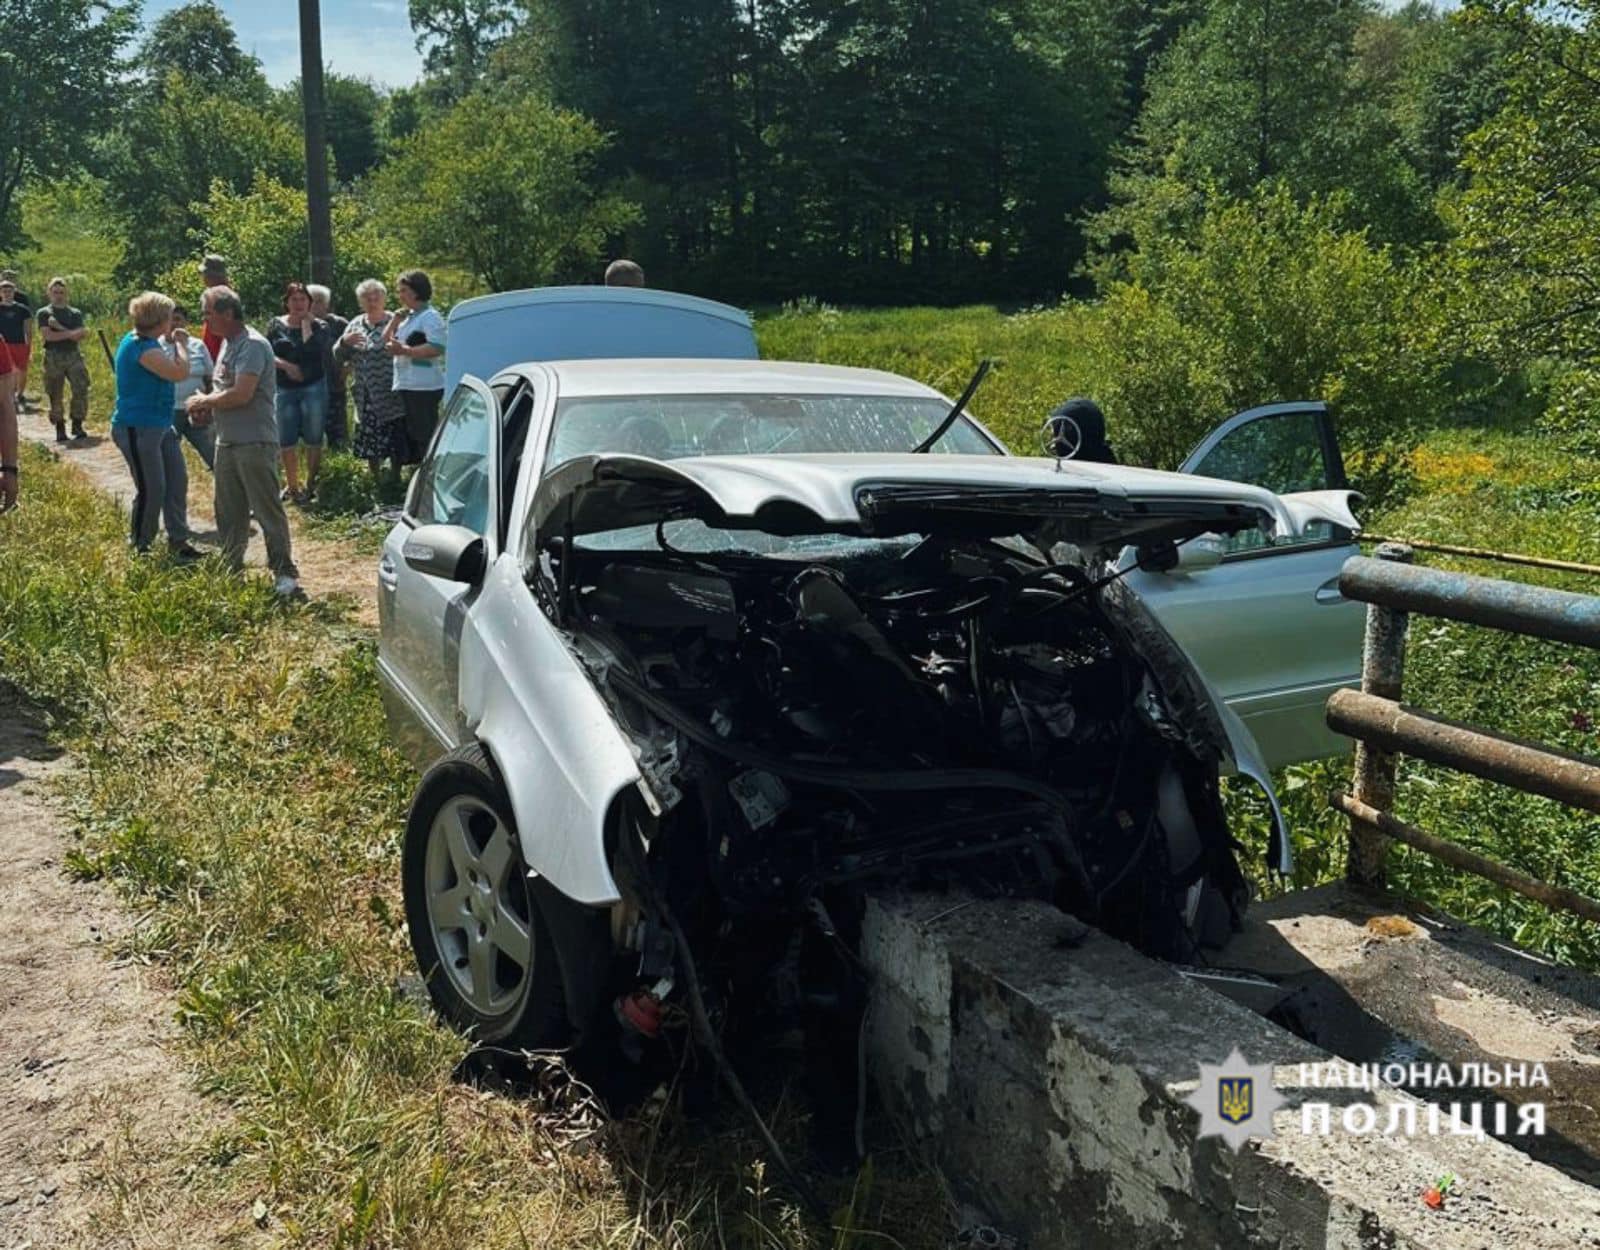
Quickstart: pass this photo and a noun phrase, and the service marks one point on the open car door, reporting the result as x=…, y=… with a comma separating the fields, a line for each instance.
x=1267, y=625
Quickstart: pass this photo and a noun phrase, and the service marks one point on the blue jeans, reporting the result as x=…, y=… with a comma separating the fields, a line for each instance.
x=302, y=413
x=203, y=438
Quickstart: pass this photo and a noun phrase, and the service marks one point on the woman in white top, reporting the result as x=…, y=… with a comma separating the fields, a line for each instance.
x=415, y=338
x=201, y=437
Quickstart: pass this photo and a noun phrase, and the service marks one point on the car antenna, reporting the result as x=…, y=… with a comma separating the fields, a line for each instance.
x=982, y=372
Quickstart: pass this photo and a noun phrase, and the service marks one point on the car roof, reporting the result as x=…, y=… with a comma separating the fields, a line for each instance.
x=579, y=378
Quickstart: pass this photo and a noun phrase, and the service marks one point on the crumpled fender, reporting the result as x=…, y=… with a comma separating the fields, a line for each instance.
x=1248, y=761
x=561, y=755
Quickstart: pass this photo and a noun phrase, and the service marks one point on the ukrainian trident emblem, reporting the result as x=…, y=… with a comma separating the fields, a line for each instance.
x=1234, y=1098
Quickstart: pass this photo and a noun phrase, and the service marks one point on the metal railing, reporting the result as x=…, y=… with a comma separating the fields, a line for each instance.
x=1394, y=588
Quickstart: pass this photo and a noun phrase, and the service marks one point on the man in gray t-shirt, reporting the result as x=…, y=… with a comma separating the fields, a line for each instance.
x=246, y=470
x=255, y=420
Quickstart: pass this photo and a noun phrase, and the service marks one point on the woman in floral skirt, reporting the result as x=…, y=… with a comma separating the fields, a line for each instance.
x=380, y=435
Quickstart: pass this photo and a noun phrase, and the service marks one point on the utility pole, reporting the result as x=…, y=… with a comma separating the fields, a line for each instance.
x=318, y=209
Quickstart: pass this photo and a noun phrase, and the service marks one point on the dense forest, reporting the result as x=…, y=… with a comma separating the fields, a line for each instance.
x=1395, y=208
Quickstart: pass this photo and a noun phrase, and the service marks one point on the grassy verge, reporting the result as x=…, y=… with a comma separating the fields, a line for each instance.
x=239, y=791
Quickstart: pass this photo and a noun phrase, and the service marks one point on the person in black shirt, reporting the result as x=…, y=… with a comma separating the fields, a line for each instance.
x=11, y=275
x=16, y=333
x=8, y=438
x=299, y=341
x=62, y=329
x=332, y=366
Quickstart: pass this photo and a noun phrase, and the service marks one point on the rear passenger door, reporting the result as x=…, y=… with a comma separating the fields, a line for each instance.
x=1268, y=626
x=421, y=616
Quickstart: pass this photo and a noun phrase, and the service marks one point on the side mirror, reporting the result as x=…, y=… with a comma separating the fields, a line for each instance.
x=1203, y=551
x=452, y=552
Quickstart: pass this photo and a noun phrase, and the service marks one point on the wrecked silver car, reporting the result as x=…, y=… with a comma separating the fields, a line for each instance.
x=697, y=653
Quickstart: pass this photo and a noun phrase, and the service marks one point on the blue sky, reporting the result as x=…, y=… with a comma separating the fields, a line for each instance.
x=364, y=38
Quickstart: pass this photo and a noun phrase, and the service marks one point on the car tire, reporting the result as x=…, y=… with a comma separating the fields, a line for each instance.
x=477, y=930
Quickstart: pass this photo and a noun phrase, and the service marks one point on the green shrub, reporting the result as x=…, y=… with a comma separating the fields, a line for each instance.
x=1271, y=301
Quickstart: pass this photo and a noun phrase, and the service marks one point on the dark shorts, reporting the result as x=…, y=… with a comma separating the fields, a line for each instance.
x=422, y=414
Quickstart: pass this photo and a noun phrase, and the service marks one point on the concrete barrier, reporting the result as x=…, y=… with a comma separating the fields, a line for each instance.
x=1045, y=1067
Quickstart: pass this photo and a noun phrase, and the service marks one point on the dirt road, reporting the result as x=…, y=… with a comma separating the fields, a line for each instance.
x=90, y=1085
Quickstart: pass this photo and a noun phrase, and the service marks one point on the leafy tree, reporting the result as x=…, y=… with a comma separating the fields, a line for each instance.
x=161, y=164
x=400, y=116
x=197, y=41
x=1527, y=252
x=1268, y=300
x=456, y=38
x=354, y=106
x=881, y=150
x=1254, y=91
x=59, y=67
x=1438, y=76
x=504, y=185
x=263, y=233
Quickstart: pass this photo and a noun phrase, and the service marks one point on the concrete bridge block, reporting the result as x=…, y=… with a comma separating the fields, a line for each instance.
x=1045, y=1067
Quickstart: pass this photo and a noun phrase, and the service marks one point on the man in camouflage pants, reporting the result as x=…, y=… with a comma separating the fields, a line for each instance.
x=62, y=329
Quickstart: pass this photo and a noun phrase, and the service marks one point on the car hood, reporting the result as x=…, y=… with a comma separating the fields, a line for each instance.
x=883, y=495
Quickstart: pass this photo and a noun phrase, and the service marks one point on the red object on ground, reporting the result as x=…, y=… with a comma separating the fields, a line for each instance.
x=1433, y=1197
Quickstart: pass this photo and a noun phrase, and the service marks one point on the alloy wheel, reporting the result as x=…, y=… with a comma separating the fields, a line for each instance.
x=478, y=906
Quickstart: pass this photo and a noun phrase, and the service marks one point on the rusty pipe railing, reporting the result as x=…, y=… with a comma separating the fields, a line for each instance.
x=1569, y=779
x=1383, y=728
x=1515, y=607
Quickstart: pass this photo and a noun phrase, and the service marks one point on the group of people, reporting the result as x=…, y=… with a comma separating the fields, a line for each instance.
x=252, y=403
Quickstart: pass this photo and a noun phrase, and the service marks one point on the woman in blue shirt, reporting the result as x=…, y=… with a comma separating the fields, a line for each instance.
x=141, y=426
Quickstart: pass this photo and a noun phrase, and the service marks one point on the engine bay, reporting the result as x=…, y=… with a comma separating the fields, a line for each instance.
x=815, y=720
x=920, y=713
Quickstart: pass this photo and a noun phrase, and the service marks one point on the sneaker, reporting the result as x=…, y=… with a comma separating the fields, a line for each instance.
x=79, y=433
x=286, y=587
x=61, y=432
x=186, y=554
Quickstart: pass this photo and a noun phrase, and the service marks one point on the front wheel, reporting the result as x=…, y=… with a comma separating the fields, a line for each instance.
x=476, y=930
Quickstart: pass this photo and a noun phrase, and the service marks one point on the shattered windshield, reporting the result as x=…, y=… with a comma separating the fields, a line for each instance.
x=672, y=427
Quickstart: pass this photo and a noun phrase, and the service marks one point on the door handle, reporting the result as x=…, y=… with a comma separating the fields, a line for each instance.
x=388, y=575
x=1328, y=592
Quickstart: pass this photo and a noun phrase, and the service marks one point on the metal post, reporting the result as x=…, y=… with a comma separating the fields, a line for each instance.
x=1383, y=663
x=318, y=209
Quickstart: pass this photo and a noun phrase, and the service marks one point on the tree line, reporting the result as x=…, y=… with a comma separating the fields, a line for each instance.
x=1190, y=165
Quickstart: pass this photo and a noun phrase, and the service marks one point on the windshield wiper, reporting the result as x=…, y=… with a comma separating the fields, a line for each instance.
x=982, y=372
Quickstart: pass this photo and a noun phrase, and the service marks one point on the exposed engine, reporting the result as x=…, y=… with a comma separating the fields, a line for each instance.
x=901, y=713
x=959, y=711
